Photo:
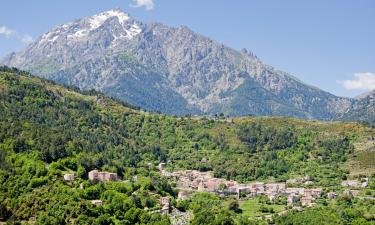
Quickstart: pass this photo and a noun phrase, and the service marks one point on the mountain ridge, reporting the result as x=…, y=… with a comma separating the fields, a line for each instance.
x=182, y=72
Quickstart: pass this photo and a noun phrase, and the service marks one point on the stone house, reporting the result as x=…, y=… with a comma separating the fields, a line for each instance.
x=230, y=191
x=242, y=190
x=164, y=202
x=68, y=177
x=364, y=184
x=355, y=193
x=292, y=199
x=162, y=166
x=183, y=195
x=231, y=183
x=351, y=192
x=97, y=202
x=275, y=188
x=256, y=188
x=306, y=200
x=213, y=184
x=102, y=176
x=316, y=192
x=200, y=186
x=298, y=180
x=351, y=183
x=184, y=182
x=331, y=195
x=295, y=191
x=166, y=173
x=272, y=196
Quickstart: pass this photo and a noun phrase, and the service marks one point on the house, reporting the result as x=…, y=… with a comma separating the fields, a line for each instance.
x=351, y=183
x=102, y=176
x=346, y=192
x=295, y=191
x=364, y=184
x=307, y=192
x=331, y=195
x=242, y=190
x=292, y=181
x=97, y=202
x=299, y=180
x=201, y=186
x=231, y=183
x=162, y=166
x=275, y=188
x=272, y=196
x=230, y=191
x=292, y=199
x=316, y=192
x=165, y=173
x=256, y=188
x=184, y=182
x=164, y=202
x=183, y=195
x=351, y=192
x=306, y=201
x=355, y=193
x=213, y=184
x=68, y=177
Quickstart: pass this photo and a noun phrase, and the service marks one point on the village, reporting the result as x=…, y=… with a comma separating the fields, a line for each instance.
x=190, y=181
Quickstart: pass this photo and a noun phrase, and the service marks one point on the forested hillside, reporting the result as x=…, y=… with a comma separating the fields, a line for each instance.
x=47, y=130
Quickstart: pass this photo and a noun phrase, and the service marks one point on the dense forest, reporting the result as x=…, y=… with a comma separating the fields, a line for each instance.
x=47, y=130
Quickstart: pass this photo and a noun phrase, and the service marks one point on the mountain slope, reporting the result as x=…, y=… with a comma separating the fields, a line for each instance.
x=47, y=130
x=172, y=70
x=363, y=109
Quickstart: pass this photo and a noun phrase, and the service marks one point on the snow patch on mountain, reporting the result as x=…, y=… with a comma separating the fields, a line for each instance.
x=97, y=20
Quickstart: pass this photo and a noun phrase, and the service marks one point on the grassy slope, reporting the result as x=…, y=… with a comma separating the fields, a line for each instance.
x=251, y=208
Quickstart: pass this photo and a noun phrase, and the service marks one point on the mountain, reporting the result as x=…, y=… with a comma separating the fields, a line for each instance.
x=364, y=95
x=363, y=109
x=48, y=130
x=171, y=70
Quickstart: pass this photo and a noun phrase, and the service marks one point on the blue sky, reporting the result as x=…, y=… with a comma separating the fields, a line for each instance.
x=328, y=44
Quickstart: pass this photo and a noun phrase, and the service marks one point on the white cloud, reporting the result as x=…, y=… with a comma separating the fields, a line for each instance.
x=27, y=39
x=148, y=4
x=6, y=31
x=9, y=33
x=363, y=81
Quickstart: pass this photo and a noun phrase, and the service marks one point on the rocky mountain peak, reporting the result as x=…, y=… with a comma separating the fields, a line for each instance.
x=81, y=29
x=365, y=95
x=98, y=19
x=170, y=69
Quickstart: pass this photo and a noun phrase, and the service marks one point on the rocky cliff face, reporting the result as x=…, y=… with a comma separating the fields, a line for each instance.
x=363, y=109
x=168, y=69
